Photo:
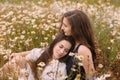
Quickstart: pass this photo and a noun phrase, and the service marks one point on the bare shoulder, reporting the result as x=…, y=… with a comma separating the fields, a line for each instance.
x=83, y=50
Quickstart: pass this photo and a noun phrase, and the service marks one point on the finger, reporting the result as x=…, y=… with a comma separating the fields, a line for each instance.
x=11, y=56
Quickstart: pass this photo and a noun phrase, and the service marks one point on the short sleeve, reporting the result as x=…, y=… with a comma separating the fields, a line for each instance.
x=62, y=73
x=35, y=54
x=54, y=71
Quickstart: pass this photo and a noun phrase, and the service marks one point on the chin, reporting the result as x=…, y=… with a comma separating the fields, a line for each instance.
x=66, y=34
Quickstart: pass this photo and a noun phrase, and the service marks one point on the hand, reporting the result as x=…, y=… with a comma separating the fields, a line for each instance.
x=23, y=54
x=20, y=61
x=13, y=55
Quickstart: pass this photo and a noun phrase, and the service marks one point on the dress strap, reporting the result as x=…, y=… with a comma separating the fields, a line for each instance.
x=76, y=49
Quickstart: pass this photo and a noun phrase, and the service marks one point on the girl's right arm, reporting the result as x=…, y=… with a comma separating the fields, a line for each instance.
x=23, y=54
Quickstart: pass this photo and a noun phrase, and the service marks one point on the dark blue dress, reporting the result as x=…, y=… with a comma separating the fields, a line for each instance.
x=74, y=73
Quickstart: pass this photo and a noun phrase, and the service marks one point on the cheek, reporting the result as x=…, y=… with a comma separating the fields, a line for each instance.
x=54, y=50
x=68, y=33
x=68, y=29
x=65, y=54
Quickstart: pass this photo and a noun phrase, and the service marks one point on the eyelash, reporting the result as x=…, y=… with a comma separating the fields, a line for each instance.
x=62, y=47
x=64, y=25
x=66, y=51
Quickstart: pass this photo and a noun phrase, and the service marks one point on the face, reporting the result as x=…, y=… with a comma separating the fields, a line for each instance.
x=66, y=27
x=61, y=49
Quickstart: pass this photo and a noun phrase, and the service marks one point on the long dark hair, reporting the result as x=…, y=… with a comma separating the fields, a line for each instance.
x=46, y=56
x=48, y=53
x=81, y=29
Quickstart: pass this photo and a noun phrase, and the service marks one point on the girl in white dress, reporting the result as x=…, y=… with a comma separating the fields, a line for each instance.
x=77, y=24
x=55, y=58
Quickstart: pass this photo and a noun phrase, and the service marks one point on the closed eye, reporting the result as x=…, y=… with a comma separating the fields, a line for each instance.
x=64, y=25
x=61, y=46
x=66, y=50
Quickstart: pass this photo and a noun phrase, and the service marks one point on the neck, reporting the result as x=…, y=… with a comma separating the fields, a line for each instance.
x=76, y=44
x=53, y=58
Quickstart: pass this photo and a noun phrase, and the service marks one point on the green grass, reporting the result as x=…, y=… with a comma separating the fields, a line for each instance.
x=31, y=24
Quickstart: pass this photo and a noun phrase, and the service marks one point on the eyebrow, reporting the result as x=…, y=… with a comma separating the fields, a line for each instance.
x=64, y=47
x=65, y=24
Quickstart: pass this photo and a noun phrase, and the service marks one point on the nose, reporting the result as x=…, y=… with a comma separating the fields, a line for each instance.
x=62, y=28
x=62, y=51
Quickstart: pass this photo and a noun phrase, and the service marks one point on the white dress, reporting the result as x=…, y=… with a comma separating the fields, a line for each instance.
x=54, y=71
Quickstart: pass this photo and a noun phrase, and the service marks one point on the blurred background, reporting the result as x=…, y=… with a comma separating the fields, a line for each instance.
x=26, y=24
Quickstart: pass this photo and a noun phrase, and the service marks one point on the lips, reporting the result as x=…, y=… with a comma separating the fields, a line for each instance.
x=63, y=31
x=59, y=55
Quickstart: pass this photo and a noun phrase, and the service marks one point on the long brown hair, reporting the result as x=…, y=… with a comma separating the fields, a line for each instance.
x=48, y=53
x=46, y=56
x=82, y=30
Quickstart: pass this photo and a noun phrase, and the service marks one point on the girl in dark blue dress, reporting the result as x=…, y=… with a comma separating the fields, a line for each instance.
x=77, y=24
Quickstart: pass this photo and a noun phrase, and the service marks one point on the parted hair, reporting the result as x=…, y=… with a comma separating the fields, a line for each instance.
x=46, y=56
x=81, y=29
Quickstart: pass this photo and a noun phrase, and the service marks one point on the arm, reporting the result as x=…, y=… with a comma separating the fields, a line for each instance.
x=12, y=68
x=19, y=62
x=87, y=61
x=23, y=54
x=34, y=54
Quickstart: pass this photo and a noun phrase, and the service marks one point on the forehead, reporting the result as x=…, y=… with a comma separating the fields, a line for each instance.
x=64, y=43
x=66, y=21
